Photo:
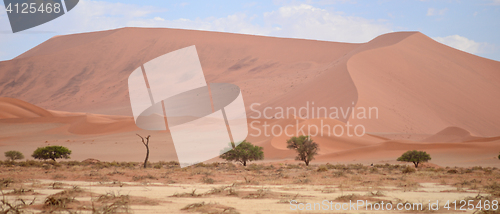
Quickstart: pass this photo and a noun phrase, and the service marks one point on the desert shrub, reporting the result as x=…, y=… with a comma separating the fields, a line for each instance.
x=348, y=197
x=493, y=189
x=357, y=166
x=15, y=207
x=416, y=157
x=338, y=174
x=250, y=181
x=20, y=191
x=452, y=171
x=208, y=180
x=51, y=152
x=6, y=182
x=158, y=165
x=14, y=155
x=58, y=201
x=408, y=170
x=30, y=163
x=58, y=176
x=338, y=166
x=255, y=167
x=269, y=167
x=305, y=147
x=377, y=193
x=187, y=194
x=202, y=207
x=112, y=203
x=72, y=163
x=322, y=168
x=244, y=153
x=57, y=185
x=142, y=177
x=303, y=181
x=260, y=193
x=172, y=164
x=129, y=164
x=487, y=171
x=294, y=166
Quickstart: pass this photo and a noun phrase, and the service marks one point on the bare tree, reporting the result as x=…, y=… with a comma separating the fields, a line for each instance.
x=145, y=141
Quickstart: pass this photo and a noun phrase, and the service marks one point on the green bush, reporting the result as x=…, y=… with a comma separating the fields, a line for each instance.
x=416, y=157
x=304, y=146
x=244, y=153
x=51, y=152
x=14, y=155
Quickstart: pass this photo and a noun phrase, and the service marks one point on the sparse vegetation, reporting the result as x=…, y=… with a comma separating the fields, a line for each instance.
x=305, y=147
x=279, y=182
x=244, y=153
x=14, y=207
x=214, y=208
x=51, y=152
x=14, y=155
x=416, y=157
x=408, y=169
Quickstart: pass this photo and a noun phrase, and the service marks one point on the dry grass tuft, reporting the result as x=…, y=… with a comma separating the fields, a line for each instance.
x=212, y=208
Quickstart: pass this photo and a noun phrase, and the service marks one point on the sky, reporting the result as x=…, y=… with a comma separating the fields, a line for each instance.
x=468, y=25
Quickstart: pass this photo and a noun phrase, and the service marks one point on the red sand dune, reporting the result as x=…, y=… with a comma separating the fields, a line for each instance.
x=17, y=111
x=452, y=134
x=14, y=108
x=418, y=85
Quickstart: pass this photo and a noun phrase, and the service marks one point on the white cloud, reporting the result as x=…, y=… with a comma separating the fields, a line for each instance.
x=434, y=12
x=295, y=21
x=158, y=19
x=91, y=15
x=464, y=44
x=306, y=21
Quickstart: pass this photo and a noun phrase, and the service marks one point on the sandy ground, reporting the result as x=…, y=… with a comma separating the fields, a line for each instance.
x=264, y=188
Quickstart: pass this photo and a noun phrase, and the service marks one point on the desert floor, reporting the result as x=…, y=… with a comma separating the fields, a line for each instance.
x=164, y=187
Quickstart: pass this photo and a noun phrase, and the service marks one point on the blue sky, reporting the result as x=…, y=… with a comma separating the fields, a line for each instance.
x=472, y=26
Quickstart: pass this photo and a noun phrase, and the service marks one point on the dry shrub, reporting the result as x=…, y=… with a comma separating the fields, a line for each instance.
x=207, y=180
x=111, y=202
x=408, y=170
x=212, y=208
x=6, y=182
x=348, y=197
x=21, y=191
x=15, y=207
x=187, y=194
x=322, y=168
x=142, y=177
x=260, y=193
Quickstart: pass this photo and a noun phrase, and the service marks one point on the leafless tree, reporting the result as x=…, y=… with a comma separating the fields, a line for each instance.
x=145, y=141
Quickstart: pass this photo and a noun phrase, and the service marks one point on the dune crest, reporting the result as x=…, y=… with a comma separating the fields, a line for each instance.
x=452, y=134
x=14, y=108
